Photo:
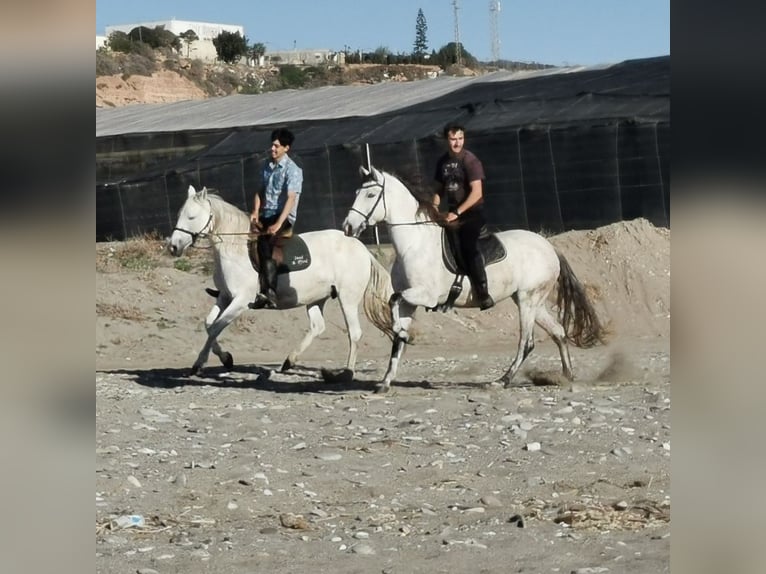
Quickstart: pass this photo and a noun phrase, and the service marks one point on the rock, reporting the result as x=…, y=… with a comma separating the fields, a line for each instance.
x=294, y=521
x=329, y=456
x=491, y=501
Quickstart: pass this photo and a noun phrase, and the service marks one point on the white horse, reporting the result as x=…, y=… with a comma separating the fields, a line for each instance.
x=528, y=273
x=340, y=267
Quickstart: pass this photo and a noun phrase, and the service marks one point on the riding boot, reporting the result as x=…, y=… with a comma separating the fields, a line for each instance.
x=267, y=298
x=479, y=280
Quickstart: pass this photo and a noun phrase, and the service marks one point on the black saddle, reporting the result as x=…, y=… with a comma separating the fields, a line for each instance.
x=290, y=254
x=490, y=247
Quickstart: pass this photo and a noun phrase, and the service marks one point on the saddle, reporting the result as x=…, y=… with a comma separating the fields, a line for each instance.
x=290, y=254
x=491, y=249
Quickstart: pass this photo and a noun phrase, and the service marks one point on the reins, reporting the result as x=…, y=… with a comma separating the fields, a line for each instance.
x=382, y=196
x=202, y=234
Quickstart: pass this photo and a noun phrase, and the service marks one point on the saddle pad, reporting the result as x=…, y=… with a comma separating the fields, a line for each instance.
x=291, y=254
x=490, y=248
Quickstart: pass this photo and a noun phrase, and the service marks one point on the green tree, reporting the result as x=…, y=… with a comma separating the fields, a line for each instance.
x=447, y=56
x=257, y=50
x=188, y=37
x=380, y=55
x=420, y=47
x=230, y=46
x=119, y=42
x=156, y=37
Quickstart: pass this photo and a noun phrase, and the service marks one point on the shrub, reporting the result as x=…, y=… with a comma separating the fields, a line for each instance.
x=138, y=65
x=292, y=76
x=106, y=64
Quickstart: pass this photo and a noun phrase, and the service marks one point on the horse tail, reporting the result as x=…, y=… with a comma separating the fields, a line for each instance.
x=576, y=313
x=376, y=297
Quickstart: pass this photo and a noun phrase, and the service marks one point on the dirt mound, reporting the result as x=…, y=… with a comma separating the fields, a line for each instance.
x=161, y=87
x=626, y=267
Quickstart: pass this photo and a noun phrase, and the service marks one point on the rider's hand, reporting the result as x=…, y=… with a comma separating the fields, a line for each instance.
x=451, y=216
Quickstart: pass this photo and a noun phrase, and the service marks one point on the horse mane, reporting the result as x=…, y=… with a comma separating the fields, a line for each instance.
x=423, y=196
x=229, y=218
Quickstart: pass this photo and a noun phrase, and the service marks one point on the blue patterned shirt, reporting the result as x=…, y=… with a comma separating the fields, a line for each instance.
x=278, y=179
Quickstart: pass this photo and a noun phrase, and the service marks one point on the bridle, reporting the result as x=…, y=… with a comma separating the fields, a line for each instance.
x=201, y=232
x=381, y=196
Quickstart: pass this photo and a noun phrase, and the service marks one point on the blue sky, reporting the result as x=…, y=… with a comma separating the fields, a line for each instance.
x=559, y=32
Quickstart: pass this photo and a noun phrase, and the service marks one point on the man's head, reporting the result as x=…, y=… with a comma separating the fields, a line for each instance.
x=455, y=134
x=281, y=140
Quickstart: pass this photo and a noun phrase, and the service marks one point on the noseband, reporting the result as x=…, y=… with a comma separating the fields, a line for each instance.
x=201, y=232
x=382, y=196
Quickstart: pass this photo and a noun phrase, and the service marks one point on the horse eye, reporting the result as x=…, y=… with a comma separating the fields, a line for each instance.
x=370, y=195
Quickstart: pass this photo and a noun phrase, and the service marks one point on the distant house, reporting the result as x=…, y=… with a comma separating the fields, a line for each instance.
x=202, y=49
x=305, y=57
x=100, y=42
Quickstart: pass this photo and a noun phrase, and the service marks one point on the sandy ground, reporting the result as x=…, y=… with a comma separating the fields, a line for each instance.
x=252, y=470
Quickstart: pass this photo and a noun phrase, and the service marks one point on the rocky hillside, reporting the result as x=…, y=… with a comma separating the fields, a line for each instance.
x=133, y=79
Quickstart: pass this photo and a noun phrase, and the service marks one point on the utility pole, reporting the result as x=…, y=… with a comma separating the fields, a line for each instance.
x=458, y=51
x=494, y=10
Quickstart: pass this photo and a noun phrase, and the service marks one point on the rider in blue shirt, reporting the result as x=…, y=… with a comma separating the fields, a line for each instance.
x=274, y=211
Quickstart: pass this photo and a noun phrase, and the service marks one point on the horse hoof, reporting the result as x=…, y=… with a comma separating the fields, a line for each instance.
x=195, y=370
x=212, y=292
x=381, y=389
x=286, y=366
x=227, y=360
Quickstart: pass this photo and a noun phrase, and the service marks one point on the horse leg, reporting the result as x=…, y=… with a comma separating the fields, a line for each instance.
x=401, y=312
x=215, y=323
x=351, y=315
x=557, y=333
x=316, y=327
x=527, y=314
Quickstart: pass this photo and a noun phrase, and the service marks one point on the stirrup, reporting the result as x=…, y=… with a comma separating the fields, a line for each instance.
x=263, y=301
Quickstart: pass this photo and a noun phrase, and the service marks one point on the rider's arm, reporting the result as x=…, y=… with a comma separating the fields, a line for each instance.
x=474, y=196
x=291, y=195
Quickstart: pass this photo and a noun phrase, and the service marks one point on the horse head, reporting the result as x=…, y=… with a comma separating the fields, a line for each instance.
x=194, y=219
x=369, y=207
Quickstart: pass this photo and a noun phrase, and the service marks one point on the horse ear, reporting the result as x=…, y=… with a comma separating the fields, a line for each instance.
x=203, y=193
x=192, y=191
x=363, y=171
x=377, y=175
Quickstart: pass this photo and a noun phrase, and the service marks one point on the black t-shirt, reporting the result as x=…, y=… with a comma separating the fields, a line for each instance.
x=455, y=175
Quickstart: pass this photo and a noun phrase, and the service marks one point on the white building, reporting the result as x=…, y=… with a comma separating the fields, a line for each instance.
x=206, y=31
x=304, y=57
x=100, y=42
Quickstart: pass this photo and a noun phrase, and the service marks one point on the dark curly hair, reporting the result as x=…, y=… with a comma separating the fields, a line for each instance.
x=284, y=136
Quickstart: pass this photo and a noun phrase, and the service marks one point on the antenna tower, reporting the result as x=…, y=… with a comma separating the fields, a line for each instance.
x=458, y=50
x=494, y=9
